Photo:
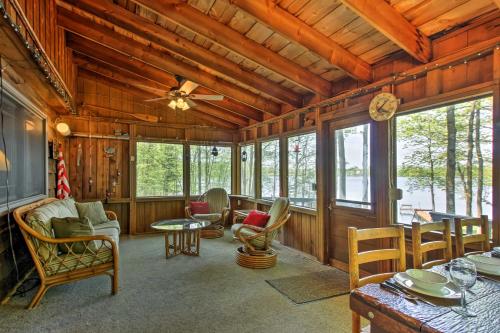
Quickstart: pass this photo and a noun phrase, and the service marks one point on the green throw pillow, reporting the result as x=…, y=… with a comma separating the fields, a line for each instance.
x=93, y=210
x=68, y=227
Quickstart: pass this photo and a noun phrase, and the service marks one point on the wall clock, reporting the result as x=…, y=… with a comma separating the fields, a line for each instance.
x=383, y=106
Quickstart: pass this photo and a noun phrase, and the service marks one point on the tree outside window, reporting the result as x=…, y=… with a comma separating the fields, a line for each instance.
x=209, y=168
x=270, y=169
x=302, y=170
x=248, y=170
x=159, y=169
x=444, y=160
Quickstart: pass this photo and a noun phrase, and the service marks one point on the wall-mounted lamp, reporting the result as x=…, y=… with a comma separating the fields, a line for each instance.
x=63, y=129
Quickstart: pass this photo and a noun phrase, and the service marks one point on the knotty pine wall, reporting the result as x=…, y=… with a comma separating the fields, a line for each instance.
x=41, y=15
x=135, y=214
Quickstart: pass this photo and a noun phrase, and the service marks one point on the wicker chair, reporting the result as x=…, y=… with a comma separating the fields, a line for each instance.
x=256, y=251
x=219, y=208
x=83, y=256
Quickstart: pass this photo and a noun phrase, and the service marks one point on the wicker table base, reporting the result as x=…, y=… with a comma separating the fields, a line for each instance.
x=216, y=231
x=256, y=261
x=183, y=242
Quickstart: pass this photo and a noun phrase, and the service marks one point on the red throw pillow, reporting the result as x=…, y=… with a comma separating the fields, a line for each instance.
x=256, y=218
x=199, y=207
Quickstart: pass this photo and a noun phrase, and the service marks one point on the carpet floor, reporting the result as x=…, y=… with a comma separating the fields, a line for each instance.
x=209, y=293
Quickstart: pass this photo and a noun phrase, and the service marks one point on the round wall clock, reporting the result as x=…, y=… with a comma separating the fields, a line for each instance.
x=383, y=106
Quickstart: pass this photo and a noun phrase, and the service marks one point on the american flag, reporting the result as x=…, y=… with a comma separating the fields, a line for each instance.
x=63, y=189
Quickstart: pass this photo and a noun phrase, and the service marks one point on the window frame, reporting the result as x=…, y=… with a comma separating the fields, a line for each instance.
x=410, y=109
x=166, y=197
x=18, y=97
x=280, y=163
x=188, y=157
x=286, y=184
x=333, y=164
x=256, y=146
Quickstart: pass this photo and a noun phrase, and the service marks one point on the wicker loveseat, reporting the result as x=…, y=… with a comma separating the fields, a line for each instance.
x=83, y=256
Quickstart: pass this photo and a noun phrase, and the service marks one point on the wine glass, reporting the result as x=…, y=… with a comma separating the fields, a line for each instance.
x=463, y=274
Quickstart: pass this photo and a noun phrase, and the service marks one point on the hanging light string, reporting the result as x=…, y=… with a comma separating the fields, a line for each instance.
x=393, y=79
x=37, y=54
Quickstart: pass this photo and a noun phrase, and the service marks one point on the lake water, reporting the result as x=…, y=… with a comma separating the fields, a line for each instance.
x=422, y=198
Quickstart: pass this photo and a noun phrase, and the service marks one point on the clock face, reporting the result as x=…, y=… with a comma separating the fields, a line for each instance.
x=383, y=106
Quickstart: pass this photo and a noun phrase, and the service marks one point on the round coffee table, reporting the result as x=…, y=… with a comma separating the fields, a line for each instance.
x=185, y=235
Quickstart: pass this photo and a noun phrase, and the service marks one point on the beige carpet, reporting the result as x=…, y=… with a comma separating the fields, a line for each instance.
x=314, y=286
x=209, y=293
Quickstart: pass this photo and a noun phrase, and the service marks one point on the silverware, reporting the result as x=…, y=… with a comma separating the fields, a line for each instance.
x=482, y=277
x=393, y=290
x=401, y=289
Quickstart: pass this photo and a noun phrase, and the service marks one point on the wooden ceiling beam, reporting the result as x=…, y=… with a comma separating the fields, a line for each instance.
x=133, y=90
x=111, y=39
x=111, y=59
x=195, y=21
x=280, y=20
x=140, y=26
x=144, y=92
x=388, y=21
x=117, y=74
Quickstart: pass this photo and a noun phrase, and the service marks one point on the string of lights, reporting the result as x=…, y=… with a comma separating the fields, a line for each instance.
x=40, y=59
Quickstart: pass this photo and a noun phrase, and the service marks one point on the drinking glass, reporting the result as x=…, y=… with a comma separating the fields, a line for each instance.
x=463, y=274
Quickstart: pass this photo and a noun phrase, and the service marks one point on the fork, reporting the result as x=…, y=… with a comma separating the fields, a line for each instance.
x=395, y=291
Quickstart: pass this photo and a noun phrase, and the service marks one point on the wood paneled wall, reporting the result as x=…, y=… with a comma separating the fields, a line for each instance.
x=457, y=80
x=41, y=15
x=95, y=132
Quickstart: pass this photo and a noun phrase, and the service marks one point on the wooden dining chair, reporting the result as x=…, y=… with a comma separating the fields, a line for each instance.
x=482, y=238
x=357, y=258
x=420, y=249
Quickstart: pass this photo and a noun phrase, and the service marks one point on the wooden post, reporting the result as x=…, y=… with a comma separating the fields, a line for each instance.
x=258, y=170
x=132, y=180
x=322, y=194
x=187, y=173
x=496, y=147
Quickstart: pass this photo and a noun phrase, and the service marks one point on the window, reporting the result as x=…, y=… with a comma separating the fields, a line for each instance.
x=444, y=161
x=25, y=157
x=270, y=169
x=159, y=169
x=302, y=170
x=248, y=170
x=210, y=167
x=352, y=166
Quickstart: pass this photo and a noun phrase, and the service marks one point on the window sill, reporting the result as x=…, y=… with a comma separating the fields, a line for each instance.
x=150, y=199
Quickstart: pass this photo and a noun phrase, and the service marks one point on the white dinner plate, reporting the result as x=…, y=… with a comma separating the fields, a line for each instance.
x=449, y=291
x=489, y=265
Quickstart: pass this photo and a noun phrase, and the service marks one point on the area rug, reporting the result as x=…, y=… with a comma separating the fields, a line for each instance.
x=314, y=286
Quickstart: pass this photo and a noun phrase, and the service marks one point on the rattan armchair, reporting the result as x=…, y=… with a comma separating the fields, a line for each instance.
x=256, y=251
x=54, y=266
x=219, y=209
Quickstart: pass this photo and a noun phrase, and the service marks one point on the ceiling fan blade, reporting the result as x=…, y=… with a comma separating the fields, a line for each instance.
x=207, y=97
x=190, y=103
x=188, y=86
x=156, y=99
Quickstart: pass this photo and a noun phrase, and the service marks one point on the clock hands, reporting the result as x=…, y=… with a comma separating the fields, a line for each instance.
x=380, y=107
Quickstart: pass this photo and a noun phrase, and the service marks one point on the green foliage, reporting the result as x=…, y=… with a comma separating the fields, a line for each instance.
x=208, y=171
x=302, y=169
x=270, y=169
x=159, y=169
x=424, y=136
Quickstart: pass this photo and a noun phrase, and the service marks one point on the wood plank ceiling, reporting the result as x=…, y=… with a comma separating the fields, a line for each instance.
x=265, y=57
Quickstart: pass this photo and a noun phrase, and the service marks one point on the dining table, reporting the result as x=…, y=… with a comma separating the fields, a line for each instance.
x=390, y=311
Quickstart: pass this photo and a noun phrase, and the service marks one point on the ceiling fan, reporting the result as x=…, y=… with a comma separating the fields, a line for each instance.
x=181, y=98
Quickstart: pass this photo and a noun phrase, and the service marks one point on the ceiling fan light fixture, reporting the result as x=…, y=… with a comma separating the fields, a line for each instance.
x=172, y=104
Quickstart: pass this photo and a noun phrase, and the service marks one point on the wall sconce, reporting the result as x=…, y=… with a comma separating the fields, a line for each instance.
x=243, y=156
x=63, y=129
x=4, y=162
